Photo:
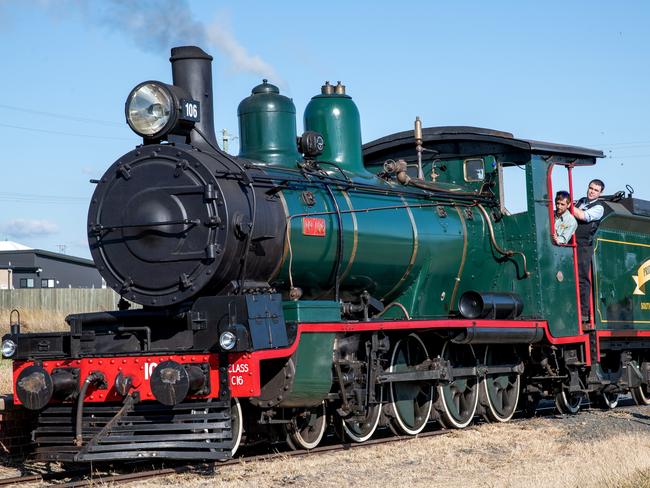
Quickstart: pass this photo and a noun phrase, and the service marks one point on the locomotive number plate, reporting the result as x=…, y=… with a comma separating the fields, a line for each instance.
x=312, y=226
x=190, y=110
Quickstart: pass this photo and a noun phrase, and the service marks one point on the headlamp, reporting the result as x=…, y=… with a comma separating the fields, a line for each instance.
x=227, y=340
x=8, y=348
x=154, y=109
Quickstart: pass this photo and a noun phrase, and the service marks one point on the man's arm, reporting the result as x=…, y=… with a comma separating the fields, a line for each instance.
x=594, y=213
x=563, y=236
x=578, y=214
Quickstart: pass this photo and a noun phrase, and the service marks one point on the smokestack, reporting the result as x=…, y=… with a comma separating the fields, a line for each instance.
x=192, y=71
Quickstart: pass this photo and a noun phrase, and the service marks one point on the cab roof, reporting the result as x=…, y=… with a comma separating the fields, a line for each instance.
x=490, y=140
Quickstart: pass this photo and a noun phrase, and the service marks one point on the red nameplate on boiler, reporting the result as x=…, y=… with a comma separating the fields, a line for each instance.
x=312, y=226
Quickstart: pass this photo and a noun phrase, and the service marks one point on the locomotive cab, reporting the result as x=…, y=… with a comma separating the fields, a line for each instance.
x=533, y=267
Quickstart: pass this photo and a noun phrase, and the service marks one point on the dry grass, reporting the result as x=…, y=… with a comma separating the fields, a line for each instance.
x=542, y=452
x=520, y=454
x=640, y=479
x=32, y=320
x=6, y=383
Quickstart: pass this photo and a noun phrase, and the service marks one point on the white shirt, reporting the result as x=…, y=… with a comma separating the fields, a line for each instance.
x=594, y=213
x=565, y=226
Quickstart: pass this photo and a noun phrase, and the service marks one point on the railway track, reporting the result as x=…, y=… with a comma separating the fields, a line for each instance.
x=136, y=472
x=89, y=478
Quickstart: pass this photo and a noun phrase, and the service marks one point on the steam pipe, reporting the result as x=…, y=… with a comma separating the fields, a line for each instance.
x=93, y=378
x=507, y=252
x=418, y=146
x=192, y=71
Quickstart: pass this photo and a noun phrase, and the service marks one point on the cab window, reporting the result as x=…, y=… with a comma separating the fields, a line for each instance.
x=512, y=182
x=560, y=182
x=474, y=170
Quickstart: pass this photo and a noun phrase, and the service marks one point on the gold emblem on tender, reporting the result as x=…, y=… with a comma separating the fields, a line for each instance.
x=641, y=278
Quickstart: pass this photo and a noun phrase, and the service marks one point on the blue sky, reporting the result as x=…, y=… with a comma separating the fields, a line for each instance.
x=570, y=72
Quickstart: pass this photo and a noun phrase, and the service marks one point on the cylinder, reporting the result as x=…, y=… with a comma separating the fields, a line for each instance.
x=475, y=305
x=192, y=71
x=333, y=114
x=267, y=127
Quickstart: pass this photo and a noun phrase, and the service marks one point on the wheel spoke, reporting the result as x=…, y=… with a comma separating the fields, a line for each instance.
x=458, y=400
x=407, y=411
x=464, y=404
x=641, y=395
x=500, y=400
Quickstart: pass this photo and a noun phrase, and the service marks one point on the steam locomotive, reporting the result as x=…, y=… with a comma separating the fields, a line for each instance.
x=313, y=282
